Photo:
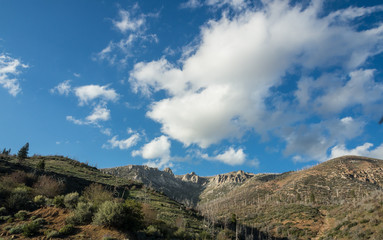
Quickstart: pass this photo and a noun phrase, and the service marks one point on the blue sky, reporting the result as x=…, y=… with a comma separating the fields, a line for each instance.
x=209, y=86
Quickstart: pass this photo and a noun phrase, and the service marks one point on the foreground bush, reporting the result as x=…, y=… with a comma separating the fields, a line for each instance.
x=82, y=215
x=97, y=194
x=71, y=200
x=125, y=216
x=58, y=201
x=19, y=199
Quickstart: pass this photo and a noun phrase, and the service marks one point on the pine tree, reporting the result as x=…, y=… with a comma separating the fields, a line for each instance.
x=23, y=152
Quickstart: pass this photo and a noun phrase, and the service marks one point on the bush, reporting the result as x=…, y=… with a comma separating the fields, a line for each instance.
x=18, y=178
x=71, y=200
x=52, y=234
x=5, y=218
x=67, y=230
x=41, y=165
x=48, y=186
x=119, y=215
x=97, y=194
x=17, y=229
x=22, y=215
x=58, y=201
x=19, y=199
x=82, y=215
x=40, y=200
x=3, y=211
x=31, y=229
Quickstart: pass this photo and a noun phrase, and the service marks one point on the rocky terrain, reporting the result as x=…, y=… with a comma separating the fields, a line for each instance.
x=301, y=204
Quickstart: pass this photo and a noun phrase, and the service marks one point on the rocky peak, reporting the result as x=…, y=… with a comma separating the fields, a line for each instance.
x=168, y=170
x=233, y=177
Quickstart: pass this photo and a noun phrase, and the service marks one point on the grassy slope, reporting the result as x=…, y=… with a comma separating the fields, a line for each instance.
x=79, y=175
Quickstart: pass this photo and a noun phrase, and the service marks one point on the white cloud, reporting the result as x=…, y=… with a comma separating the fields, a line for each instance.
x=91, y=92
x=77, y=75
x=76, y=121
x=234, y=4
x=100, y=113
x=359, y=88
x=9, y=69
x=63, y=88
x=157, y=151
x=227, y=86
x=127, y=22
x=133, y=26
x=231, y=157
x=363, y=150
x=191, y=4
x=123, y=143
x=106, y=131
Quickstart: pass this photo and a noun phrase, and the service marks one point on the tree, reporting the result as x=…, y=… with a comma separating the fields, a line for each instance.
x=23, y=152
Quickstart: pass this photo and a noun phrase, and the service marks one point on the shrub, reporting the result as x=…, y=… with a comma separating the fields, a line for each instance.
x=119, y=215
x=52, y=234
x=17, y=229
x=31, y=229
x=48, y=186
x=58, y=201
x=17, y=178
x=5, y=218
x=22, y=215
x=67, y=230
x=41, y=165
x=40, y=200
x=3, y=211
x=71, y=200
x=82, y=215
x=97, y=194
x=19, y=199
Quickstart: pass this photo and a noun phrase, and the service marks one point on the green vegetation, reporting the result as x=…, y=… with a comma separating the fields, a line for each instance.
x=86, y=196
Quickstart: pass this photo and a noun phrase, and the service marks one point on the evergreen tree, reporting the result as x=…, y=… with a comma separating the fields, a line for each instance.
x=23, y=152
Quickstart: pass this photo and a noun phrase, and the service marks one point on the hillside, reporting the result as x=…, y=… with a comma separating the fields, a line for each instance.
x=296, y=205
x=162, y=215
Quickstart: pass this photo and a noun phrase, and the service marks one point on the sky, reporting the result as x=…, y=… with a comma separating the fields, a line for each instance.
x=209, y=86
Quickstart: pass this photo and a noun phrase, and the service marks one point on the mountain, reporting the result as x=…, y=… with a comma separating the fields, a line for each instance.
x=297, y=205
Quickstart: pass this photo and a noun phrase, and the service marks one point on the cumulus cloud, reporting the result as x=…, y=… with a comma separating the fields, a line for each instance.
x=122, y=144
x=229, y=84
x=63, y=88
x=366, y=150
x=157, y=152
x=91, y=92
x=9, y=69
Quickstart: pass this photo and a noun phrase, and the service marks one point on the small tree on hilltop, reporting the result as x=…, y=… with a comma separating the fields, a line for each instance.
x=23, y=152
